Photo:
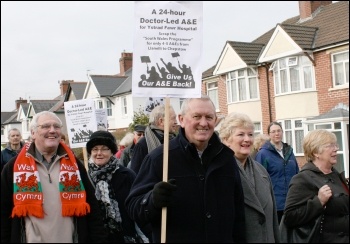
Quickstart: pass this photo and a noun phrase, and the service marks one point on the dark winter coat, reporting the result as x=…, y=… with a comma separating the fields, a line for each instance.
x=208, y=205
x=303, y=205
x=8, y=153
x=127, y=155
x=141, y=150
x=281, y=170
x=89, y=227
x=121, y=182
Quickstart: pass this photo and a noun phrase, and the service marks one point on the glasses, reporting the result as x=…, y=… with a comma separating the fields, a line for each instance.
x=48, y=126
x=103, y=150
x=275, y=131
x=139, y=133
x=332, y=146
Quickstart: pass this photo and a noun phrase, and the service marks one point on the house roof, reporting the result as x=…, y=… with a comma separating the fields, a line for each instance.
x=304, y=36
x=42, y=105
x=126, y=86
x=107, y=84
x=249, y=52
x=78, y=89
x=329, y=26
x=25, y=107
x=331, y=23
x=334, y=113
x=9, y=117
x=208, y=72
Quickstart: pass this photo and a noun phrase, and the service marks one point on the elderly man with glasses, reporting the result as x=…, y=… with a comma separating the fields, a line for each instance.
x=45, y=191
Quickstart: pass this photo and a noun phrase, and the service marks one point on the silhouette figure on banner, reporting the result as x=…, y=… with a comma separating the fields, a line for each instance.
x=168, y=76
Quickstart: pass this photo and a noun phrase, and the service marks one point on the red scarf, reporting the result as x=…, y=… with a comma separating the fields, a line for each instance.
x=27, y=189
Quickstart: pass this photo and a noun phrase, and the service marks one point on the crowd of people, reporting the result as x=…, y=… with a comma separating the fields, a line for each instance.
x=221, y=186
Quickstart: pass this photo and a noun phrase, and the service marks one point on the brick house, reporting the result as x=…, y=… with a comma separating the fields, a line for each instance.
x=297, y=73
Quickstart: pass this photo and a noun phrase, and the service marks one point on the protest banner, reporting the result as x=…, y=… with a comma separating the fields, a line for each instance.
x=167, y=58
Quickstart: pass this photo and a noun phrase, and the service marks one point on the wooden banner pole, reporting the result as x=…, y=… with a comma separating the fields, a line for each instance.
x=165, y=164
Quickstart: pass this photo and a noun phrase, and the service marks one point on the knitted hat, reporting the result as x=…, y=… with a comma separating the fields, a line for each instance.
x=140, y=128
x=101, y=137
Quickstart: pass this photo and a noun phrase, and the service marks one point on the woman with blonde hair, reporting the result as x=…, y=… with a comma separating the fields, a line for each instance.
x=261, y=222
x=319, y=189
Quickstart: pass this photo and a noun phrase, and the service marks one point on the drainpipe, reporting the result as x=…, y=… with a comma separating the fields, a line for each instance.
x=268, y=90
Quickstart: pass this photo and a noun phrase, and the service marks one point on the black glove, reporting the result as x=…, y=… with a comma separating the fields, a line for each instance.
x=162, y=193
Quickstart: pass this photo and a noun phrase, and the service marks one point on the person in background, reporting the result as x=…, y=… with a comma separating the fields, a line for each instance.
x=279, y=160
x=112, y=185
x=126, y=141
x=259, y=140
x=46, y=196
x=125, y=158
x=13, y=147
x=154, y=135
x=203, y=196
x=63, y=139
x=319, y=189
x=261, y=222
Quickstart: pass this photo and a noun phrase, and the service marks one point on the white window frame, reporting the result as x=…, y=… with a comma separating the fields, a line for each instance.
x=290, y=128
x=109, y=108
x=345, y=66
x=257, y=128
x=235, y=93
x=282, y=68
x=292, y=61
x=124, y=106
x=98, y=104
x=213, y=93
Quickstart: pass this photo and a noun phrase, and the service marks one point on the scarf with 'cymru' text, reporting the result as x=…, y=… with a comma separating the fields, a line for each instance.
x=27, y=189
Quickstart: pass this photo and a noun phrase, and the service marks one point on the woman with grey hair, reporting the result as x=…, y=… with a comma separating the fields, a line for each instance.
x=319, y=189
x=261, y=222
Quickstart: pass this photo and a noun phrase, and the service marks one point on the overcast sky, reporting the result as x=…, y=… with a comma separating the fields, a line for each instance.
x=46, y=42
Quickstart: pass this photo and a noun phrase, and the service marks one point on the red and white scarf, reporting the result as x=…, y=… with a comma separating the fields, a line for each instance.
x=27, y=189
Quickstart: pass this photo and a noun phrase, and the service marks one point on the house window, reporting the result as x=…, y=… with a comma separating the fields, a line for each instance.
x=212, y=90
x=2, y=131
x=109, y=108
x=293, y=134
x=98, y=104
x=340, y=64
x=124, y=106
x=292, y=74
x=257, y=128
x=242, y=85
x=27, y=125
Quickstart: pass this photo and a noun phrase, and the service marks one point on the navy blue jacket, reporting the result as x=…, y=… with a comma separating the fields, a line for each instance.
x=208, y=205
x=7, y=154
x=281, y=170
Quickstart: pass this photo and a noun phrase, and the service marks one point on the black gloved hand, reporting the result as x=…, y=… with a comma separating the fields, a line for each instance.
x=162, y=193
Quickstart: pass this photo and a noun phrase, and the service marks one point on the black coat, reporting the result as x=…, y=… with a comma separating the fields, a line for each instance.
x=208, y=205
x=121, y=182
x=303, y=205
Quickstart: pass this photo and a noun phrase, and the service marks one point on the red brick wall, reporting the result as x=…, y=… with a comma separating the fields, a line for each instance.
x=306, y=8
x=266, y=87
x=327, y=99
x=125, y=62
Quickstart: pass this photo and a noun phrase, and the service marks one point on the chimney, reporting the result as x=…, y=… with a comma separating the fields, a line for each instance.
x=307, y=8
x=64, y=86
x=125, y=62
x=19, y=101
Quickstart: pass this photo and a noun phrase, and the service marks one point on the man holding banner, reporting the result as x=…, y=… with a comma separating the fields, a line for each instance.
x=204, y=196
